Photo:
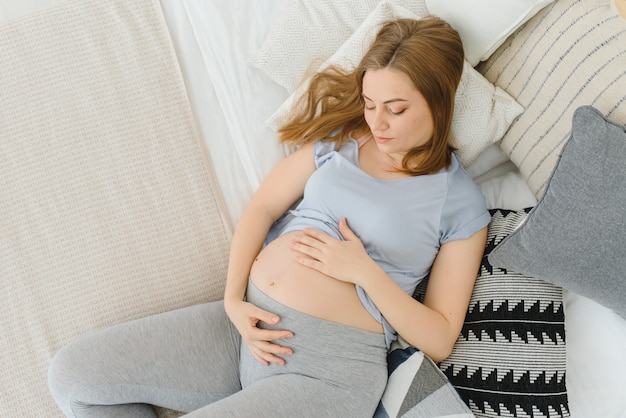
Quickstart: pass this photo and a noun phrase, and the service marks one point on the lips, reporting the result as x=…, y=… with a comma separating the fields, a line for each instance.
x=382, y=139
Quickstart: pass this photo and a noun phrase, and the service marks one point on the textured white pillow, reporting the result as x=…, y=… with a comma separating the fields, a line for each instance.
x=484, y=24
x=310, y=31
x=482, y=113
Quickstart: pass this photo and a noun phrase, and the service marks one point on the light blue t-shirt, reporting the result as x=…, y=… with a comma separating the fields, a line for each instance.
x=401, y=222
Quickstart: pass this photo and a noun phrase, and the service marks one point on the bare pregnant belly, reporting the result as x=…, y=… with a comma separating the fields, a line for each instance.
x=276, y=273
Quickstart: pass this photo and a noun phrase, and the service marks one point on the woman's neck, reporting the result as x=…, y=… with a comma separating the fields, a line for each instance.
x=378, y=164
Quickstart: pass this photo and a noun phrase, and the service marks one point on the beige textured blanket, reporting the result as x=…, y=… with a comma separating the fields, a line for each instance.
x=108, y=206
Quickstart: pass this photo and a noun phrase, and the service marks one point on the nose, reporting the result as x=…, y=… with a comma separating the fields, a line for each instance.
x=378, y=120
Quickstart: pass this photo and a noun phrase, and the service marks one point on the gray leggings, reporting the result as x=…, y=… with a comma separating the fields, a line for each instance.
x=192, y=360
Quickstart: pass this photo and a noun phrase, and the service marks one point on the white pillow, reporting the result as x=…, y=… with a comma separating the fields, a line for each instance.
x=508, y=191
x=310, y=31
x=484, y=24
x=596, y=337
x=483, y=112
x=491, y=157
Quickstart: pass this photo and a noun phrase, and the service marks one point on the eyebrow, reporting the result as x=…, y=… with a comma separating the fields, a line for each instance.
x=397, y=99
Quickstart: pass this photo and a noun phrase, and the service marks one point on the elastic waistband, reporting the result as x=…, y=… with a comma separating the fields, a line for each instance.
x=319, y=334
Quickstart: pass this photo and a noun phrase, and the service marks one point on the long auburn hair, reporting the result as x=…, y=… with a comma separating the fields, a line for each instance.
x=428, y=51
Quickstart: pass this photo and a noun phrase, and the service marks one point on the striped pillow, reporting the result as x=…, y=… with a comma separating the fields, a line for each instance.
x=572, y=53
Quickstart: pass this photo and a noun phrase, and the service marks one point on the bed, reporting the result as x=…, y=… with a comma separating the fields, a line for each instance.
x=135, y=131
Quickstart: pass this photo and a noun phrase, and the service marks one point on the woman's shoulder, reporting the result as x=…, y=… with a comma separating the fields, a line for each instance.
x=457, y=176
x=462, y=191
x=328, y=148
x=464, y=211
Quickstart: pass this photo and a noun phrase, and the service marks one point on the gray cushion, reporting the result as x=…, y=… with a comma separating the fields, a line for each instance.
x=576, y=235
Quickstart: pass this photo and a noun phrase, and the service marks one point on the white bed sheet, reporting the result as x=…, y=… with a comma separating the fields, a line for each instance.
x=207, y=111
x=246, y=98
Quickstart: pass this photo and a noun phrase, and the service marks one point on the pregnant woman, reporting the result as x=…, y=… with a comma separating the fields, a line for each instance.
x=323, y=262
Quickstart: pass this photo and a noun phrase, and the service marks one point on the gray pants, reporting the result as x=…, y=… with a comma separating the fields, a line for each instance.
x=192, y=360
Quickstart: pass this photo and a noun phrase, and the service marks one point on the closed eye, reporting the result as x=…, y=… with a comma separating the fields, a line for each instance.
x=390, y=110
x=387, y=102
x=396, y=113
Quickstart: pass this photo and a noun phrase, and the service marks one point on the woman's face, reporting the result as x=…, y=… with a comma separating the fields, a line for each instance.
x=396, y=112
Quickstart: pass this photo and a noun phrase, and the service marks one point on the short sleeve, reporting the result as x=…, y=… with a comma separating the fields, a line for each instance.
x=323, y=151
x=464, y=212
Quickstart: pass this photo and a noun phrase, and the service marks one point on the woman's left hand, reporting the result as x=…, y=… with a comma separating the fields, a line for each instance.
x=343, y=260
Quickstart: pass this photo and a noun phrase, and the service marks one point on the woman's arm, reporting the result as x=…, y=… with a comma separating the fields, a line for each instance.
x=433, y=326
x=282, y=187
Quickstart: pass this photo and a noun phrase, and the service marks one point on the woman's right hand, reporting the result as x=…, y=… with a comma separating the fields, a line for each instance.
x=246, y=316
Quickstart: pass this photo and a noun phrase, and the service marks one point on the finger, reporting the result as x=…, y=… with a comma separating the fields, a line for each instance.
x=270, y=358
x=304, y=248
x=345, y=230
x=266, y=358
x=310, y=262
x=259, y=358
x=265, y=316
x=316, y=234
x=271, y=335
x=307, y=239
x=267, y=352
x=275, y=349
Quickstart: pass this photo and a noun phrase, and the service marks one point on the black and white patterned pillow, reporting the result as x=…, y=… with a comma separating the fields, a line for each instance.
x=510, y=358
